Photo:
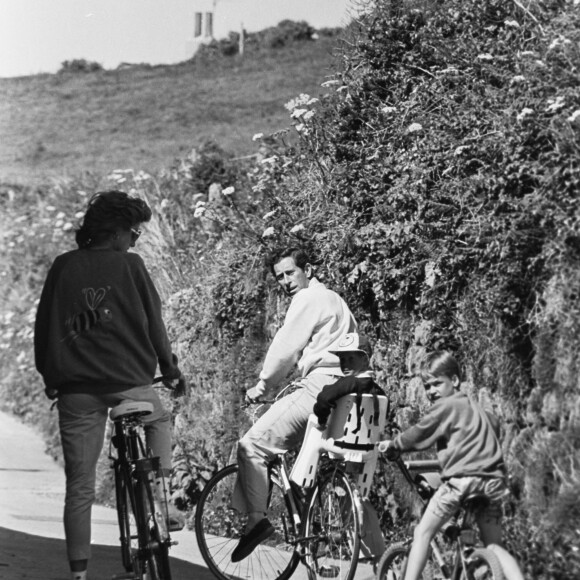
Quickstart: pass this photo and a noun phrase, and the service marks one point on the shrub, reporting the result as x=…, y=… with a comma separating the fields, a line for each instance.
x=80, y=65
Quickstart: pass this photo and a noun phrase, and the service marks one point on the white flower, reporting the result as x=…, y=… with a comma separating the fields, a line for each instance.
x=82, y=193
x=485, y=56
x=461, y=149
x=228, y=190
x=60, y=215
x=270, y=214
x=518, y=79
x=67, y=227
x=268, y=232
x=269, y=159
x=299, y=101
x=341, y=89
x=308, y=115
x=257, y=136
x=575, y=115
x=527, y=53
x=297, y=228
x=79, y=215
x=50, y=208
x=525, y=112
x=298, y=113
x=555, y=104
x=199, y=211
x=414, y=127
x=511, y=24
x=330, y=83
x=300, y=127
x=540, y=63
x=58, y=223
x=388, y=109
x=164, y=203
x=312, y=101
x=200, y=204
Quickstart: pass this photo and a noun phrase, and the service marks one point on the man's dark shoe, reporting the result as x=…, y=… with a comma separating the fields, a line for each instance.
x=248, y=542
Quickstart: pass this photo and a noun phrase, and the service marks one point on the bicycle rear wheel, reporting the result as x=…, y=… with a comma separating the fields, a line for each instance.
x=153, y=543
x=483, y=564
x=393, y=563
x=218, y=528
x=126, y=520
x=331, y=529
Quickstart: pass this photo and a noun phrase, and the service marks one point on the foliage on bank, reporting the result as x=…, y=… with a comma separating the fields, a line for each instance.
x=436, y=180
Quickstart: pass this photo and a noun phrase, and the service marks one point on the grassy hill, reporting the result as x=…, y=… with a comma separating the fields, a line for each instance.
x=145, y=117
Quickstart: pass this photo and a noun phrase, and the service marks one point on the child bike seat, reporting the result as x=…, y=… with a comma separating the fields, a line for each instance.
x=131, y=409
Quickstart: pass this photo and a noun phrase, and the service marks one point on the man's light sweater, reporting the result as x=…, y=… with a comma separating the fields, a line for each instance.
x=316, y=320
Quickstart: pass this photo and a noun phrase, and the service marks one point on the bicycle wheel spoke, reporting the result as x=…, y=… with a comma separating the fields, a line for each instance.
x=219, y=527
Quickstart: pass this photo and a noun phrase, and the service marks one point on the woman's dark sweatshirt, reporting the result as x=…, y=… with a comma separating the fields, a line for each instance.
x=99, y=324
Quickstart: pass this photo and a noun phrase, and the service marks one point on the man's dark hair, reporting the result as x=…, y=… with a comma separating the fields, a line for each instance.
x=299, y=256
x=107, y=211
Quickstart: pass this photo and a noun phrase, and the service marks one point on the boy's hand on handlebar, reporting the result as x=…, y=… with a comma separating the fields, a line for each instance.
x=256, y=392
x=390, y=450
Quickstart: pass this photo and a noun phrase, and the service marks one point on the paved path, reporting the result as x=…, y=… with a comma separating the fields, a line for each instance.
x=31, y=531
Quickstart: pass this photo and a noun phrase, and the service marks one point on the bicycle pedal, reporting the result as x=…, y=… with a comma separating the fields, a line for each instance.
x=328, y=571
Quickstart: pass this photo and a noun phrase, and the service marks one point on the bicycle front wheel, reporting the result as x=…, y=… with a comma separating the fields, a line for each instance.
x=331, y=529
x=219, y=527
x=393, y=563
x=482, y=564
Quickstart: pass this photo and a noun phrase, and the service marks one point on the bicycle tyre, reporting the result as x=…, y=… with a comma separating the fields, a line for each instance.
x=153, y=547
x=331, y=529
x=218, y=528
x=393, y=564
x=482, y=564
x=126, y=520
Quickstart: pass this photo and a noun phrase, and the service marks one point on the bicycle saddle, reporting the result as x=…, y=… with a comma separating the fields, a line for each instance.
x=131, y=409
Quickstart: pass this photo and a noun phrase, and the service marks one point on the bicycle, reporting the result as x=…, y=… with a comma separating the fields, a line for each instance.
x=319, y=527
x=141, y=509
x=463, y=560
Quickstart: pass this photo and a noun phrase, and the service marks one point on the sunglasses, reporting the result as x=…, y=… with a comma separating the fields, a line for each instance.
x=135, y=234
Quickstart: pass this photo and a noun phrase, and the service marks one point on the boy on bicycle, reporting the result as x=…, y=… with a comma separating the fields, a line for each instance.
x=471, y=461
x=354, y=352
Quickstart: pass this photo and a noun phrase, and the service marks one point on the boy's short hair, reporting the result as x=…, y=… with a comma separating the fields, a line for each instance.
x=438, y=363
x=353, y=342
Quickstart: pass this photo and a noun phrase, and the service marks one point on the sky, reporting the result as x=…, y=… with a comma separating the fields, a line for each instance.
x=38, y=35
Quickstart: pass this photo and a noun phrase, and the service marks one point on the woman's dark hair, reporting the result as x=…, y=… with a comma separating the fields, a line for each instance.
x=107, y=211
x=440, y=363
x=299, y=256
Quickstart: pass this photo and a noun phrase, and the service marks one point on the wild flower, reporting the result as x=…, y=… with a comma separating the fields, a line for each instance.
x=301, y=128
x=525, y=112
x=555, y=104
x=60, y=215
x=270, y=214
x=308, y=115
x=518, y=79
x=228, y=190
x=80, y=215
x=67, y=227
x=257, y=136
x=50, y=208
x=299, y=101
x=330, y=83
x=298, y=113
x=297, y=228
x=575, y=115
x=485, y=56
x=526, y=53
x=312, y=101
x=268, y=232
x=164, y=203
x=511, y=24
x=389, y=109
x=414, y=128
x=199, y=211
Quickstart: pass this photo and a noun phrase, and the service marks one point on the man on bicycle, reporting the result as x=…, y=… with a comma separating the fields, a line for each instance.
x=316, y=320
